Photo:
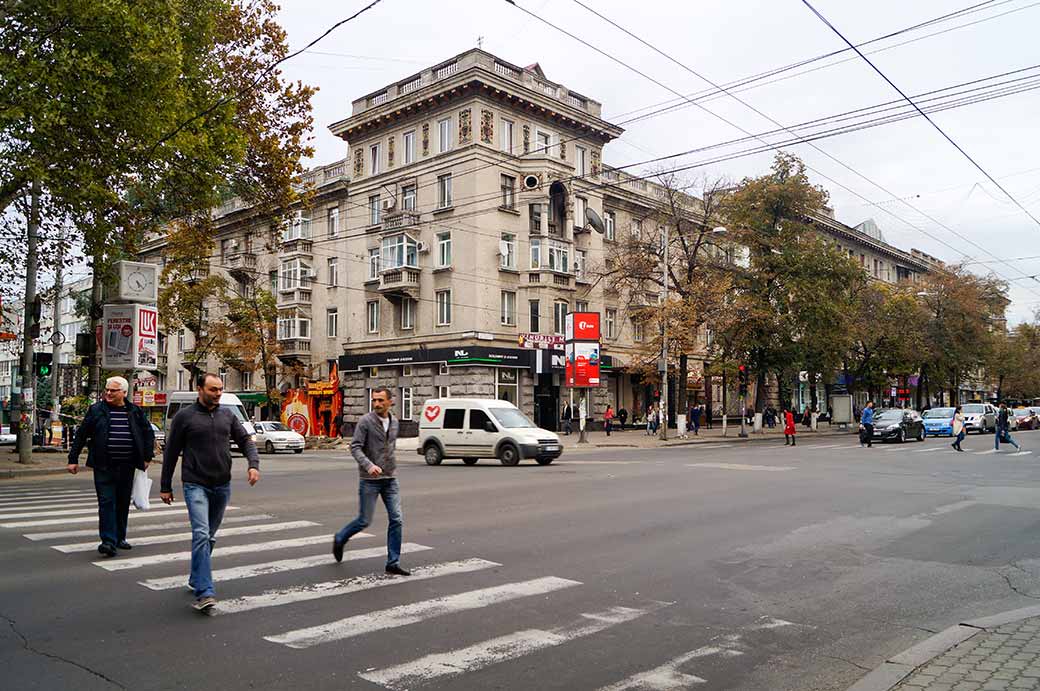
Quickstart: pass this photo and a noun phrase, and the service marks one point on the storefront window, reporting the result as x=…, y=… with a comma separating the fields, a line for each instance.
x=406, y=403
x=507, y=385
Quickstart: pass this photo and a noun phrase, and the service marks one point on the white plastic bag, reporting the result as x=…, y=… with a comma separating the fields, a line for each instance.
x=142, y=488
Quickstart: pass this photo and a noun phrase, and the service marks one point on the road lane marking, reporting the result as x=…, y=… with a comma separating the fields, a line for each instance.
x=741, y=466
x=667, y=677
x=151, y=560
x=315, y=591
x=984, y=453
x=1022, y=453
x=930, y=450
x=65, y=512
x=486, y=653
x=828, y=446
x=186, y=537
x=134, y=516
x=40, y=507
x=41, y=492
x=35, y=537
x=254, y=570
x=5, y=503
x=415, y=612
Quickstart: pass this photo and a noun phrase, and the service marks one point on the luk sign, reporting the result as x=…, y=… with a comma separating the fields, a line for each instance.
x=582, y=349
x=130, y=335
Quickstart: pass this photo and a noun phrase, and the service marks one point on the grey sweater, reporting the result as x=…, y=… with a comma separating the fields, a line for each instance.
x=371, y=446
x=204, y=437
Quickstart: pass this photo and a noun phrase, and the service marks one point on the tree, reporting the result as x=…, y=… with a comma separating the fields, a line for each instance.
x=887, y=336
x=1015, y=362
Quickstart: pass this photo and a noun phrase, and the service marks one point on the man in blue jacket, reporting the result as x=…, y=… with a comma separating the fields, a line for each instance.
x=866, y=425
x=121, y=439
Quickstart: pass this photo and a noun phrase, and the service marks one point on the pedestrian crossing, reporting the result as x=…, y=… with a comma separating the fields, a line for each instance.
x=159, y=562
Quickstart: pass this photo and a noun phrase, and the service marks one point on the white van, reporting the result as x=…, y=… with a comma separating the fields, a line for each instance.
x=475, y=428
x=179, y=399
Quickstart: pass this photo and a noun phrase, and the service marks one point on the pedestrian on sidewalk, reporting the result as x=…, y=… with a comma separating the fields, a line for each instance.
x=373, y=446
x=789, y=427
x=622, y=416
x=608, y=419
x=866, y=425
x=651, y=419
x=202, y=433
x=695, y=419
x=1003, y=433
x=958, y=428
x=707, y=416
x=121, y=440
x=566, y=417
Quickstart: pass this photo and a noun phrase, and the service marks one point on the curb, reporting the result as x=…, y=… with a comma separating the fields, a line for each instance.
x=895, y=669
x=30, y=472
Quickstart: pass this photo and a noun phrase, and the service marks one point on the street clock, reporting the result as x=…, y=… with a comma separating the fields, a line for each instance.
x=138, y=282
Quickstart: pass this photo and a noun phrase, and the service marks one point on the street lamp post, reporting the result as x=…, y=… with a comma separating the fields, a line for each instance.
x=663, y=411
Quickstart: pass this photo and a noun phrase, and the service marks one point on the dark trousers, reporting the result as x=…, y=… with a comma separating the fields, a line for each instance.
x=113, y=487
x=867, y=435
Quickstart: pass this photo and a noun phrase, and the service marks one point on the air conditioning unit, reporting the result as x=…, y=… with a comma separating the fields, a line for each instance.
x=531, y=182
x=389, y=203
x=422, y=247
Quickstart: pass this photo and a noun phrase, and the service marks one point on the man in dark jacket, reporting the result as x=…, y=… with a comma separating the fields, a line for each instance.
x=202, y=432
x=121, y=439
x=373, y=446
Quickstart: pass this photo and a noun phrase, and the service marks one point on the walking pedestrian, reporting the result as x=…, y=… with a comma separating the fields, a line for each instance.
x=566, y=417
x=958, y=428
x=695, y=417
x=622, y=416
x=1003, y=433
x=202, y=432
x=373, y=446
x=337, y=425
x=121, y=440
x=789, y=427
x=866, y=425
x=651, y=418
x=608, y=419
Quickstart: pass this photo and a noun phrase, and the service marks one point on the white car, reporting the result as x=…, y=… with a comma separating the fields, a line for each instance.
x=7, y=437
x=274, y=436
x=475, y=428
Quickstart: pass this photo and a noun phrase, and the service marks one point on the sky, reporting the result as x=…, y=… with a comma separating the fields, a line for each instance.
x=920, y=190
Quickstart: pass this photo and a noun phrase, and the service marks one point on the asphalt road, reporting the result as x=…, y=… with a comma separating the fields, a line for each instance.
x=742, y=566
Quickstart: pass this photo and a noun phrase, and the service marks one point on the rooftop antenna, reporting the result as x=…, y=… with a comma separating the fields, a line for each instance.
x=480, y=42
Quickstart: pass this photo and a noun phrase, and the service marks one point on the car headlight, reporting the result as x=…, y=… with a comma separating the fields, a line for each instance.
x=252, y=438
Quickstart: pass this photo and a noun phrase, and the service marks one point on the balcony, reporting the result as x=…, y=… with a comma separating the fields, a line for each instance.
x=299, y=295
x=403, y=282
x=294, y=347
x=396, y=220
x=297, y=247
x=162, y=361
x=242, y=264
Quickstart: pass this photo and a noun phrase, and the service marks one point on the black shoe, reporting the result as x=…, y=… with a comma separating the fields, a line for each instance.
x=123, y=544
x=337, y=549
x=397, y=570
x=106, y=550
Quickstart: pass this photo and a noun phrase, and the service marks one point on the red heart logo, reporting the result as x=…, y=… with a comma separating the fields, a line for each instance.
x=432, y=412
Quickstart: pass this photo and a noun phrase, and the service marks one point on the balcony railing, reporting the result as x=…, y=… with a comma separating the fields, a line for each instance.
x=296, y=247
x=400, y=219
x=295, y=346
x=403, y=281
x=447, y=70
x=242, y=262
x=298, y=295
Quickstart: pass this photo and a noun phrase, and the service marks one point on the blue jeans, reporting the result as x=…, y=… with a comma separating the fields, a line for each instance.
x=114, y=487
x=1011, y=441
x=960, y=438
x=205, y=511
x=368, y=490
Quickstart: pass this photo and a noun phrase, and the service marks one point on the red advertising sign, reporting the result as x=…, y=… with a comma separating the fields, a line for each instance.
x=582, y=326
x=582, y=368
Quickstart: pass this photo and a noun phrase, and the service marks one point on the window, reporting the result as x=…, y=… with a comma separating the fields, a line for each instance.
x=535, y=214
x=180, y=341
x=180, y=379
x=373, y=209
x=222, y=373
x=332, y=322
x=444, y=191
x=536, y=254
x=408, y=198
x=373, y=263
x=559, y=257
x=443, y=392
x=372, y=315
x=443, y=250
x=406, y=403
x=610, y=221
x=637, y=229
x=508, y=192
x=299, y=228
x=580, y=204
x=611, y=319
x=581, y=157
x=444, y=132
x=443, y=307
x=407, y=314
x=454, y=418
x=579, y=263
x=533, y=308
x=443, y=369
x=507, y=136
x=637, y=331
x=294, y=326
x=333, y=222
x=543, y=140
x=408, y=143
x=508, y=308
x=294, y=274
x=560, y=310
x=246, y=379
x=507, y=385
x=581, y=306
x=477, y=419
x=333, y=271
x=272, y=279
x=406, y=370
x=399, y=251
x=508, y=251
x=373, y=159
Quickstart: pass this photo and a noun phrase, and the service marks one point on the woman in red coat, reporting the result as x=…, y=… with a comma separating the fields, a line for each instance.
x=789, y=428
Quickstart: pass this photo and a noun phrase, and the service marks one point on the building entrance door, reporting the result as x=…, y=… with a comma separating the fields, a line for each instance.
x=547, y=404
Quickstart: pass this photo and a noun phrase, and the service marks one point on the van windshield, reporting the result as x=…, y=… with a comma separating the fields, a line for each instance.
x=511, y=418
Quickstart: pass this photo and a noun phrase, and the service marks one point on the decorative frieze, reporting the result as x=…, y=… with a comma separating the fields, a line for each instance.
x=527, y=139
x=465, y=126
x=359, y=162
x=563, y=151
x=487, y=126
x=595, y=163
x=390, y=153
x=426, y=139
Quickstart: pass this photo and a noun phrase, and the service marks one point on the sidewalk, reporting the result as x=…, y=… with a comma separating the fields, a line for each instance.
x=638, y=438
x=43, y=463
x=989, y=654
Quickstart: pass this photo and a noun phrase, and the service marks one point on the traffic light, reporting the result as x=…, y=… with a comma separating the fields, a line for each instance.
x=743, y=378
x=42, y=364
x=37, y=314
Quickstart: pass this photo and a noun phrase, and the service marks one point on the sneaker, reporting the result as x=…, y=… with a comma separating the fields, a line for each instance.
x=396, y=570
x=337, y=549
x=123, y=544
x=191, y=588
x=106, y=550
x=204, y=604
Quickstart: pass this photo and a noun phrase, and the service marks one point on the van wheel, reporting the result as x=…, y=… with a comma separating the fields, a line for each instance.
x=544, y=461
x=432, y=454
x=509, y=455
x=470, y=461
x=269, y=447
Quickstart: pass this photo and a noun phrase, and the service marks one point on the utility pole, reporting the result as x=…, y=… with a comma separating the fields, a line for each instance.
x=664, y=337
x=25, y=426
x=96, y=286
x=55, y=335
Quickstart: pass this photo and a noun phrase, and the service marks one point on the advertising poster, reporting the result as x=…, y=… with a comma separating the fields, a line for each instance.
x=311, y=411
x=586, y=364
x=147, y=337
x=568, y=366
x=118, y=337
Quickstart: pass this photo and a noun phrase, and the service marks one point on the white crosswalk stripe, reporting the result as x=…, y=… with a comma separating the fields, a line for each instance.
x=490, y=652
x=413, y=613
x=134, y=516
x=42, y=492
x=186, y=537
x=80, y=504
x=984, y=453
x=141, y=562
x=267, y=568
x=60, y=534
x=931, y=450
x=1022, y=453
x=4, y=503
x=315, y=591
x=40, y=514
x=741, y=466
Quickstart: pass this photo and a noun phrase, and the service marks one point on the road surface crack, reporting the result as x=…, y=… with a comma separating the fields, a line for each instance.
x=1012, y=586
x=848, y=662
x=29, y=647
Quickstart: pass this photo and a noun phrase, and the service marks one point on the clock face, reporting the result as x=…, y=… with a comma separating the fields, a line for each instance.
x=138, y=282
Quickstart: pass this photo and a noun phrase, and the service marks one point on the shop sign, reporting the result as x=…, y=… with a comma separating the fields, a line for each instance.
x=502, y=357
x=540, y=341
x=581, y=326
x=322, y=388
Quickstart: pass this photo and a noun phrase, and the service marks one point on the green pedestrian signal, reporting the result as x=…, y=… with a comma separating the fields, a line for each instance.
x=42, y=363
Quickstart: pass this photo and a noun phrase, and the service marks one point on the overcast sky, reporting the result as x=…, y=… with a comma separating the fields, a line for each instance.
x=724, y=40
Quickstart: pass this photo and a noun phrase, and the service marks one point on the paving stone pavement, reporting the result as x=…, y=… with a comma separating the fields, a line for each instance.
x=1007, y=657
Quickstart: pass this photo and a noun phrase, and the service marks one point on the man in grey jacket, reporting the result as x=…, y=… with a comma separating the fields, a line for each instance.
x=373, y=447
x=202, y=432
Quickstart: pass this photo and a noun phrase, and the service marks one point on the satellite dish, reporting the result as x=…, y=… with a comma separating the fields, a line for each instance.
x=592, y=218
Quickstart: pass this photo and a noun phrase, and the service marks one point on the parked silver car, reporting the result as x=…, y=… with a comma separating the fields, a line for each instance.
x=979, y=417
